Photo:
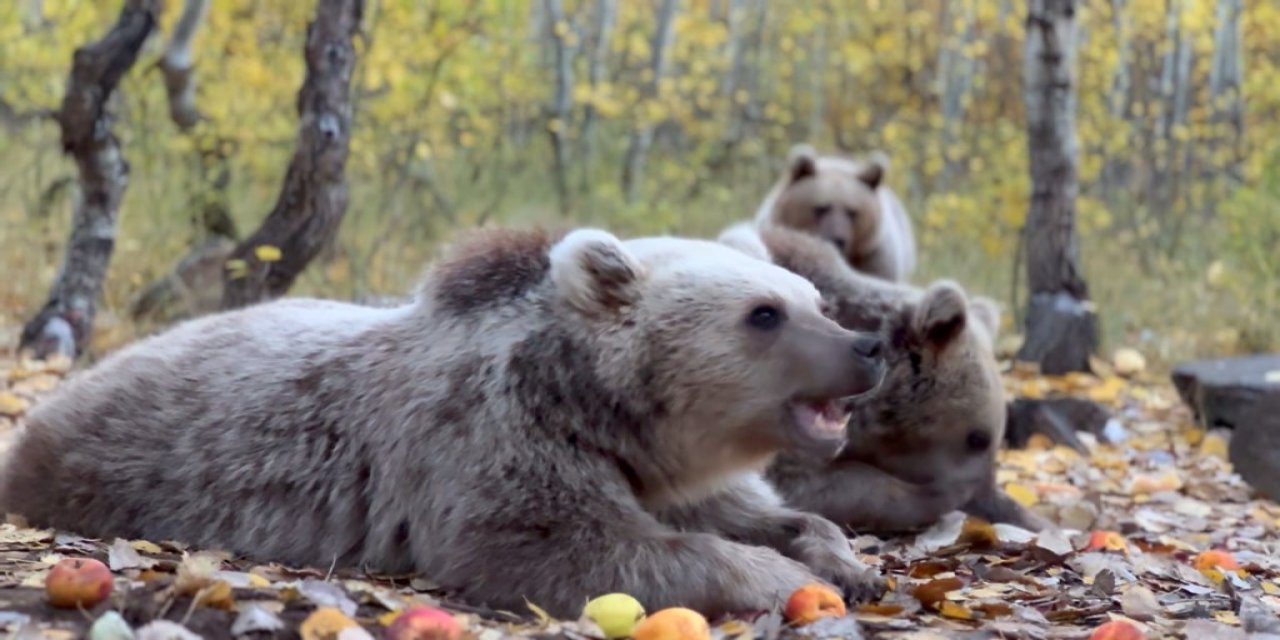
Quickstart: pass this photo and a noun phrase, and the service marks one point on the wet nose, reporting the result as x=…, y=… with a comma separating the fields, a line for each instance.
x=838, y=242
x=868, y=346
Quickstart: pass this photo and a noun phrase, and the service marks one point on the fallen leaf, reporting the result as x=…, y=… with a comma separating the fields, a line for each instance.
x=326, y=594
x=1022, y=494
x=1139, y=603
x=1128, y=362
x=122, y=556
x=977, y=533
x=955, y=611
x=880, y=609
x=12, y=405
x=165, y=630
x=931, y=593
x=144, y=546
x=1167, y=480
x=325, y=623
x=253, y=617
x=1054, y=542
x=216, y=595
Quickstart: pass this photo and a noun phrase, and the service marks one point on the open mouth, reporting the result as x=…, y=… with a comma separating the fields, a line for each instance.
x=820, y=419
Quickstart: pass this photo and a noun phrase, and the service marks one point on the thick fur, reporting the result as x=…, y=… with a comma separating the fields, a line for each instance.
x=847, y=203
x=924, y=442
x=551, y=419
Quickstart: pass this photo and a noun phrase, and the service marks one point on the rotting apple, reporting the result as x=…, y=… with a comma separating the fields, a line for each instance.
x=673, y=623
x=78, y=582
x=424, y=623
x=813, y=601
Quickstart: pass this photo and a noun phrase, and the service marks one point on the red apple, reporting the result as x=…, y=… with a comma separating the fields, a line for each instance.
x=813, y=601
x=78, y=582
x=424, y=623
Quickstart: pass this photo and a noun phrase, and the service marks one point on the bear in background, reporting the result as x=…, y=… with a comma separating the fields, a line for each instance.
x=552, y=418
x=924, y=443
x=847, y=203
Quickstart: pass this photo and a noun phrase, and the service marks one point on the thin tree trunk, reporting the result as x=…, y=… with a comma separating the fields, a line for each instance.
x=313, y=199
x=561, y=99
x=642, y=135
x=1225, y=76
x=602, y=29
x=956, y=70
x=177, y=68
x=64, y=325
x=1061, y=328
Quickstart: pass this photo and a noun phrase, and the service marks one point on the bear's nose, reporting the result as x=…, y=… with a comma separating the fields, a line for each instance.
x=838, y=242
x=867, y=346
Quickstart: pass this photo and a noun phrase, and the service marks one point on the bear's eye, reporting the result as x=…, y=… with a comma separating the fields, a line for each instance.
x=765, y=317
x=821, y=210
x=978, y=440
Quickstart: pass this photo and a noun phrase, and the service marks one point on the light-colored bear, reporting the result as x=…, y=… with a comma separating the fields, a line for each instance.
x=847, y=203
x=551, y=419
x=924, y=442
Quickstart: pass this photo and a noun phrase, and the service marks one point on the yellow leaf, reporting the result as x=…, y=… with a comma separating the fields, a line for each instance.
x=1227, y=617
x=543, y=616
x=217, y=596
x=1214, y=445
x=387, y=618
x=267, y=253
x=325, y=623
x=1128, y=362
x=1039, y=442
x=11, y=404
x=237, y=268
x=955, y=611
x=1271, y=588
x=1168, y=480
x=1022, y=494
x=144, y=546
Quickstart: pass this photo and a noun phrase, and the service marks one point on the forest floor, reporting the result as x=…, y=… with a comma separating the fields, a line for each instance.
x=1153, y=523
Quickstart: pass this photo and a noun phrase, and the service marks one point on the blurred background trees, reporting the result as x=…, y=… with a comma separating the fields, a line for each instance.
x=654, y=117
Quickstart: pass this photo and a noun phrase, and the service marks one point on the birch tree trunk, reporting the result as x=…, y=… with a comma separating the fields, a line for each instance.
x=1061, y=328
x=313, y=199
x=1225, y=76
x=601, y=31
x=64, y=325
x=642, y=135
x=176, y=65
x=956, y=71
x=558, y=29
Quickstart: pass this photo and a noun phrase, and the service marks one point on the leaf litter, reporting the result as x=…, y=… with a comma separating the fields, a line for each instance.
x=1156, y=530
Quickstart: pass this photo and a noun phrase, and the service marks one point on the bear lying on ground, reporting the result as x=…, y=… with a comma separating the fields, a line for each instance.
x=552, y=418
x=924, y=442
x=846, y=203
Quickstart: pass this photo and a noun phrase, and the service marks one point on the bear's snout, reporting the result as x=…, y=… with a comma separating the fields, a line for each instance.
x=868, y=346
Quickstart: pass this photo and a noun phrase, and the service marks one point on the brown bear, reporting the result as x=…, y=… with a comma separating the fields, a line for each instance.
x=551, y=418
x=847, y=203
x=924, y=442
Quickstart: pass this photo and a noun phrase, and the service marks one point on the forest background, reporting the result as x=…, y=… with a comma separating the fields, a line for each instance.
x=674, y=116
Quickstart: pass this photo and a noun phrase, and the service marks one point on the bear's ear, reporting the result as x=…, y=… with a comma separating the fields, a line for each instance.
x=594, y=272
x=942, y=314
x=745, y=238
x=987, y=313
x=871, y=173
x=802, y=162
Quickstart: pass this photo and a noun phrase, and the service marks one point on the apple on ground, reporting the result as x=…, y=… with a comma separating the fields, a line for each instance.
x=78, y=582
x=424, y=623
x=813, y=601
x=674, y=623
